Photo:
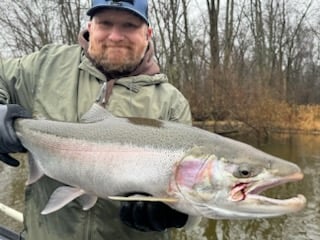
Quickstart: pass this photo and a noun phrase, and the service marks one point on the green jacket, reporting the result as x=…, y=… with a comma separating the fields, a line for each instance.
x=60, y=83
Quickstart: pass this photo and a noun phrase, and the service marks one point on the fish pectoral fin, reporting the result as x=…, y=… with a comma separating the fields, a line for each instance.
x=87, y=201
x=61, y=197
x=35, y=172
x=143, y=198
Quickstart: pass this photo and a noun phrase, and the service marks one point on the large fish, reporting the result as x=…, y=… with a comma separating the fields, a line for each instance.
x=192, y=170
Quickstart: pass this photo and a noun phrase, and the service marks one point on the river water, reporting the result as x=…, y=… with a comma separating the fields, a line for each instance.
x=303, y=150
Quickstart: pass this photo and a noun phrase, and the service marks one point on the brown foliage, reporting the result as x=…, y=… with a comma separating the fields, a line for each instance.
x=224, y=97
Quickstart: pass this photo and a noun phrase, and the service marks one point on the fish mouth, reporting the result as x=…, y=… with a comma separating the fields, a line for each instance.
x=250, y=191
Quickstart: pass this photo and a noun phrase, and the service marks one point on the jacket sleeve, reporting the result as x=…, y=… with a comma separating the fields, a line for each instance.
x=17, y=81
x=180, y=109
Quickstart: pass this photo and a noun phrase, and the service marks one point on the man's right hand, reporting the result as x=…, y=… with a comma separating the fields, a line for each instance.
x=9, y=142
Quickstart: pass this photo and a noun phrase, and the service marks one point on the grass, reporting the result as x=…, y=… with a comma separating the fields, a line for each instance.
x=266, y=117
x=305, y=118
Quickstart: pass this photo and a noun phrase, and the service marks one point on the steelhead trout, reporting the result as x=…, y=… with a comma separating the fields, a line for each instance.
x=192, y=170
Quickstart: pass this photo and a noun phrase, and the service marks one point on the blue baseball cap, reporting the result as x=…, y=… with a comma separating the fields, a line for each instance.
x=138, y=7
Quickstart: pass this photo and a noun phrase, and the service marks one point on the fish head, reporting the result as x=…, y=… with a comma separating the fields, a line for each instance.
x=227, y=185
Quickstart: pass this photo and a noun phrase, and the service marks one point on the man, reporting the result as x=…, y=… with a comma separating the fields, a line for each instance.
x=61, y=83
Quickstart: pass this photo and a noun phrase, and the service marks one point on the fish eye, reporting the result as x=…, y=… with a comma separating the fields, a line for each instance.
x=244, y=171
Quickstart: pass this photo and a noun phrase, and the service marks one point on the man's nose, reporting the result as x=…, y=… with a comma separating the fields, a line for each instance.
x=116, y=34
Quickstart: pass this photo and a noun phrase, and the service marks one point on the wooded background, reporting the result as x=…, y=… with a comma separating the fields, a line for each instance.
x=231, y=59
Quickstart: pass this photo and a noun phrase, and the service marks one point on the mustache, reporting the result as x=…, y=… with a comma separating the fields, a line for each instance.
x=112, y=45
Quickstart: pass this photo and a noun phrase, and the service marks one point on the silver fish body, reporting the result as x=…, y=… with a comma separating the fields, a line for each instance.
x=192, y=170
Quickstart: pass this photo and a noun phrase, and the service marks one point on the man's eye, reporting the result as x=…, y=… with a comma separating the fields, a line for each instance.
x=130, y=25
x=105, y=23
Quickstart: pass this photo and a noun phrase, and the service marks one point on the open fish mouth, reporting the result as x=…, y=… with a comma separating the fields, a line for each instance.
x=250, y=191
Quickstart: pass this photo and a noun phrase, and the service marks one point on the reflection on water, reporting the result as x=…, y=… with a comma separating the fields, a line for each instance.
x=303, y=150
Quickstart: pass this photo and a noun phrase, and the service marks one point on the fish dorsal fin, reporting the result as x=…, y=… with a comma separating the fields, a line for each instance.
x=61, y=197
x=95, y=114
x=143, y=198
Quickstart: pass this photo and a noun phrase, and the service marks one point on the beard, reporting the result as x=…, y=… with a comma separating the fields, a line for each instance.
x=115, y=59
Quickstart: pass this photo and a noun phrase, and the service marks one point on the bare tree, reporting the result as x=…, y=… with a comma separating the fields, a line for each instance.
x=228, y=33
x=295, y=36
x=29, y=25
x=71, y=18
x=213, y=7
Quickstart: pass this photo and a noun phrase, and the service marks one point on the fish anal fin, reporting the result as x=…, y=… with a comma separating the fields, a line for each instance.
x=61, y=197
x=143, y=198
x=192, y=222
x=87, y=201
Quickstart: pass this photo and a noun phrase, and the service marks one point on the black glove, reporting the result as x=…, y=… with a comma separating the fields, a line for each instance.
x=9, y=142
x=151, y=216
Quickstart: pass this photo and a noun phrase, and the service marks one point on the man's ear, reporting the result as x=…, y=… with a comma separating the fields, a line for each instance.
x=149, y=33
x=89, y=26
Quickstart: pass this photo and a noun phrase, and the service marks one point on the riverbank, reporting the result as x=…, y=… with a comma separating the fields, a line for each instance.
x=303, y=119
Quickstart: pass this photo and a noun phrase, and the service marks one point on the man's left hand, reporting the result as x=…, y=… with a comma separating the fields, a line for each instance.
x=151, y=216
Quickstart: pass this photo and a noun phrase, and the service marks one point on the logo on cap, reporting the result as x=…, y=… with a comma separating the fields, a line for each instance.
x=119, y=2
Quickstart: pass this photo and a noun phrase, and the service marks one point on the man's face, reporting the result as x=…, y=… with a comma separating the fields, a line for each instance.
x=118, y=40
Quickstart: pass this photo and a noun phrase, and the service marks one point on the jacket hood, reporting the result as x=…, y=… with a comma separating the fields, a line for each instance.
x=147, y=66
